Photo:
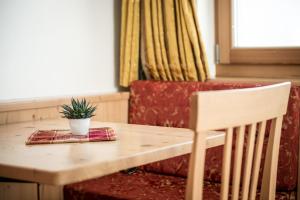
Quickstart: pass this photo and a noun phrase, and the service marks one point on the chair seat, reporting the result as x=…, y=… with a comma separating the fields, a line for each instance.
x=142, y=186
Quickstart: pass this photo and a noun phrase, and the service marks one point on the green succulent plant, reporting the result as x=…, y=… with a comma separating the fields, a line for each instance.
x=78, y=109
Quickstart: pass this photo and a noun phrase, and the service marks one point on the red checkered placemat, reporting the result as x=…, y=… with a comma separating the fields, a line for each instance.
x=65, y=136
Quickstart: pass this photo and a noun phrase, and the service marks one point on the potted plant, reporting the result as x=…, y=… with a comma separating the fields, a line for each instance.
x=79, y=114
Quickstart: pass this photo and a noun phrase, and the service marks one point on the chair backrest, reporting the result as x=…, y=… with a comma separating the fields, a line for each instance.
x=234, y=110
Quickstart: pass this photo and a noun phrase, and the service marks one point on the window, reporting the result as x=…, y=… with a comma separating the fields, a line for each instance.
x=258, y=32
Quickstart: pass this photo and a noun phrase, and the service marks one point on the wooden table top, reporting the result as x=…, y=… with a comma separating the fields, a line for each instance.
x=59, y=164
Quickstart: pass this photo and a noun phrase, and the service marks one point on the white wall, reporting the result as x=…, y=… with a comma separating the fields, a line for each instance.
x=206, y=13
x=51, y=48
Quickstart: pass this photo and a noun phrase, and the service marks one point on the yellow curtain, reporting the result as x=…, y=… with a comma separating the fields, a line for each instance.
x=165, y=36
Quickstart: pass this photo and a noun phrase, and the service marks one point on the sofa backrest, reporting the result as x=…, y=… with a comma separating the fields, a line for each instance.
x=167, y=104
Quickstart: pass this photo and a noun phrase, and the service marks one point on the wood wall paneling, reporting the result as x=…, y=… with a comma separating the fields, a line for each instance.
x=18, y=191
x=110, y=107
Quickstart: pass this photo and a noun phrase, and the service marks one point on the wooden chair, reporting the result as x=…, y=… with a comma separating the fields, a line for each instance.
x=236, y=109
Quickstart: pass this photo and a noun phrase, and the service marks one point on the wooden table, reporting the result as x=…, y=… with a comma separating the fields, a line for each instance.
x=59, y=164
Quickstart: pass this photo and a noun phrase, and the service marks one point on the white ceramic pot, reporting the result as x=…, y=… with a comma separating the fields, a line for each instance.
x=80, y=126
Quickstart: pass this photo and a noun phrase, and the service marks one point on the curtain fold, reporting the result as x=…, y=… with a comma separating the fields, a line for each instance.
x=157, y=44
x=165, y=36
x=165, y=62
x=129, y=44
x=187, y=51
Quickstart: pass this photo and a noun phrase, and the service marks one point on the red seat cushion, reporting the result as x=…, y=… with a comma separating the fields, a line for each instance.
x=167, y=104
x=142, y=186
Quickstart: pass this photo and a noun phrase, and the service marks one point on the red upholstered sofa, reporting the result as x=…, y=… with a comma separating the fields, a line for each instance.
x=167, y=104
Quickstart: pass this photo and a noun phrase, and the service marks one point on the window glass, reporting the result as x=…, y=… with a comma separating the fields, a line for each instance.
x=266, y=23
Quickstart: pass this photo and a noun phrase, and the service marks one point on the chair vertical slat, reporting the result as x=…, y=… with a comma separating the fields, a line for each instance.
x=248, y=162
x=226, y=164
x=270, y=168
x=257, y=159
x=238, y=155
x=194, y=188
